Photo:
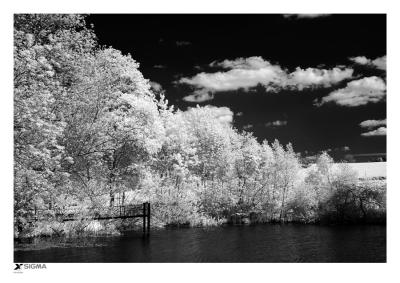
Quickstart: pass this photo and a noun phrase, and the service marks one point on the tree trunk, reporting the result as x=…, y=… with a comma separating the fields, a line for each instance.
x=111, y=199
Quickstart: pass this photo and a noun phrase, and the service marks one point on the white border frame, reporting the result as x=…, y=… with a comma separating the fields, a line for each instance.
x=200, y=272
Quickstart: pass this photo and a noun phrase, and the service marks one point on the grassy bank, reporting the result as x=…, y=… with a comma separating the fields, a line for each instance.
x=105, y=228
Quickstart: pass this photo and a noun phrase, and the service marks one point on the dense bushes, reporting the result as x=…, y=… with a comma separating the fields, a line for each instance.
x=90, y=132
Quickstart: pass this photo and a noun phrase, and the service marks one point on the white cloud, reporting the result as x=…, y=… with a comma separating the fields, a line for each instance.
x=358, y=92
x=223, y=114
x=378, y=132
x=199, y=96
x=156, y=86
x=362, y=60
x=305, y=16
x=239, y=114
x=231, y=80
x=159, y=66
x=277, y=123
x=379, y=63
x=243, y=73
x=247, y=127
x=369, y=124
x=254, y=62
x=302, y=78
x=247, y=73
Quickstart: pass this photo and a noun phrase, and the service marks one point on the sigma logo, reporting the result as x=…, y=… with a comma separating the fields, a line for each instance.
x=19, y=267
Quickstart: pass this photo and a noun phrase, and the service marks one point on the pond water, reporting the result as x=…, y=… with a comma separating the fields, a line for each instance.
x=260, y=243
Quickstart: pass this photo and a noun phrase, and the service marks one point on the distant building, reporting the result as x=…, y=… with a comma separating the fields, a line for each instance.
x=370, y=170
x=365, y=170
x=365, y=157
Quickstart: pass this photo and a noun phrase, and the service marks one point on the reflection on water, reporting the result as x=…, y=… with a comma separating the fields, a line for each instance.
x=261, y=243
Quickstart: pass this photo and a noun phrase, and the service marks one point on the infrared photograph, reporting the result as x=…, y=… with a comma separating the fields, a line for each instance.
x=199, y=138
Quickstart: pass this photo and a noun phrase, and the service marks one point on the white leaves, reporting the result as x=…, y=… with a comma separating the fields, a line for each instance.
x=69, y=159
x=38, y=103
x=86, y=121
x=30, y=39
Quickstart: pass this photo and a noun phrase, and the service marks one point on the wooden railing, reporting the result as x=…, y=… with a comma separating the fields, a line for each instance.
x=96, y=213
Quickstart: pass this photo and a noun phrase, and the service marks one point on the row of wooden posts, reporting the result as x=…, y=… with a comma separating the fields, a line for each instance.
x=125, y=212
x=146, y=218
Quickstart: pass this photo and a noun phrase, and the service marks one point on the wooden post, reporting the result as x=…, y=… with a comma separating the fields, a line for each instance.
x=144, y=218
x=148, y=218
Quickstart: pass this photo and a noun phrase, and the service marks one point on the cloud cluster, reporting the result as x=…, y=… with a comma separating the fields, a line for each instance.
x=247, y=73
x=199, y=96
x=254, y=62
x=233, y=79
x=381, y=131
x=369, y=124
x=358, y=92
x=303, y=78
x=277, y=123
x=156, y=86
x=379, y=63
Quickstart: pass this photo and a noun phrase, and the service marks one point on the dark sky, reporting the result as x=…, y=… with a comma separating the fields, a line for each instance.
x=169, y=47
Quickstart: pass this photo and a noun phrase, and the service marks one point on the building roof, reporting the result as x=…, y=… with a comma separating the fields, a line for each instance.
x=366, y=170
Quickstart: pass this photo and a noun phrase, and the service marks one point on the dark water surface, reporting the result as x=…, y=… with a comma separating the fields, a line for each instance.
x=261, y=243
